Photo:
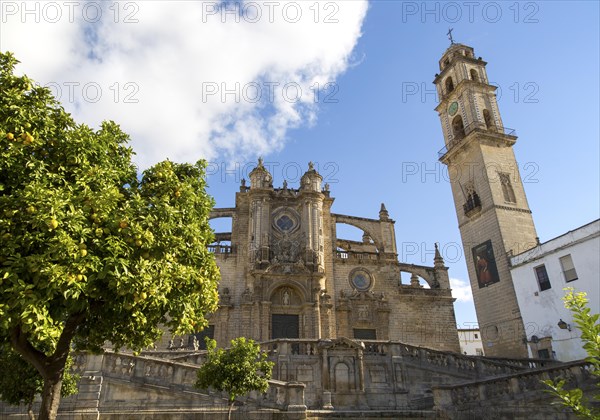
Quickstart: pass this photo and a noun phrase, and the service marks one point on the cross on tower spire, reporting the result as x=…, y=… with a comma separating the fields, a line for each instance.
x=450, y=36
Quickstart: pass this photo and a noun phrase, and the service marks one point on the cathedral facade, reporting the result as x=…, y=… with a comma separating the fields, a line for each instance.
x=286, y=274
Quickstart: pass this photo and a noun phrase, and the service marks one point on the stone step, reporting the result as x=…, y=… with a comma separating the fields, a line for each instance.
x=370, y=414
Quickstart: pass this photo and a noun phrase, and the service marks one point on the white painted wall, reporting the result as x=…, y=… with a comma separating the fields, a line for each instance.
x=470, y=342
x=542, y=310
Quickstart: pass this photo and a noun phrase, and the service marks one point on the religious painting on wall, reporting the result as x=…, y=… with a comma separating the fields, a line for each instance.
x=485, y=264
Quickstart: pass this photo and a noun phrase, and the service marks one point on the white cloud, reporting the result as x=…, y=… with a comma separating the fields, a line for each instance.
x=150, y=65
x=461, y=290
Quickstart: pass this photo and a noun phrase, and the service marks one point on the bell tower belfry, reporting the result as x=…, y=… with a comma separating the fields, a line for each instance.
x=493, y=215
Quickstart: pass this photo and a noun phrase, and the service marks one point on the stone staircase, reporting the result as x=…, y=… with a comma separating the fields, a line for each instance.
x=321, y=379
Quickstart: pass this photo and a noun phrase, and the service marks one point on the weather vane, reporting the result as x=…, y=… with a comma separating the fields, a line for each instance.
x=450, y=36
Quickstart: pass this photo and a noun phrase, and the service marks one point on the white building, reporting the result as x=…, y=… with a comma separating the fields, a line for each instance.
x=540, y=275
x=470, y=341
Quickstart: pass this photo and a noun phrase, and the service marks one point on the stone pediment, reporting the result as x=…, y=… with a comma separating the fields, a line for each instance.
x=286, y=192
x=296, y=268
x=358, y=295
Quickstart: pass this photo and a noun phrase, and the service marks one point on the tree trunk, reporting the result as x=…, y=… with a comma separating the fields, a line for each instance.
x=230, y=408
x=50, y=398
x=30, y=410
x=50, y=367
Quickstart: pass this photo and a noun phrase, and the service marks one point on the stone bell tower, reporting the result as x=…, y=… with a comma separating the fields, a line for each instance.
x=493, y=215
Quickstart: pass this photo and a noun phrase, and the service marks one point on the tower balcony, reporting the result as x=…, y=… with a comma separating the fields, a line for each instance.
x=476, y=126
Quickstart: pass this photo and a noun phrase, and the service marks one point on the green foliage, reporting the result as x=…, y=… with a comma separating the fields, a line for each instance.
x=20, y=382
x=588, y=324
x=90, y=252
x=238, y=370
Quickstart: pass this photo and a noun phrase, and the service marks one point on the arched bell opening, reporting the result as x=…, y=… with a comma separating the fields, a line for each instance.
x=458, y=128
x=474, y=75
x=449, y=85
x=489, y=123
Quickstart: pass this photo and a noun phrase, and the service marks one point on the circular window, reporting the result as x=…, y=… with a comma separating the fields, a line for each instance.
x=285, y=220
x=285, y=223
x=361, y=280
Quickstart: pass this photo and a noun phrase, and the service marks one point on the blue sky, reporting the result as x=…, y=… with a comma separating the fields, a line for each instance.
x=372, y=130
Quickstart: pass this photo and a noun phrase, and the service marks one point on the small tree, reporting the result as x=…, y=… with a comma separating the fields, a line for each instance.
x=90, y=252
x=20, y=382
x=238, y=370
x=588, y=324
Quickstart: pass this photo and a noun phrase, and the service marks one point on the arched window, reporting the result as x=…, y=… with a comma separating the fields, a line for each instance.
x=474, y=75
x=488, y=119
x=458, y=128
x=449, y=85
x=507, y=189
x=473, y=200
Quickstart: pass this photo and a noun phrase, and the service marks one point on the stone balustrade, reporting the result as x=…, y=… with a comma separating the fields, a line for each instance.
x=357, y=256
x=475, y=367
x=221, y=249
x=400, y=371
x=291, y=346
x=179, y=376
x=525, y=363
x=503, y=390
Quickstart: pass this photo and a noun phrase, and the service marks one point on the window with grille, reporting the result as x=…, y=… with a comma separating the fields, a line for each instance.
x=542, y=277
x=568, y=268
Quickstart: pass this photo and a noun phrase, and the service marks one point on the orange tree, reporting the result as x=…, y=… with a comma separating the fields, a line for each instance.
x=238, y=370
x=90, y=252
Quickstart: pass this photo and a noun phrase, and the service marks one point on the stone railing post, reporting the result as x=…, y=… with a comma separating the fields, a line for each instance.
x=327, y=400
x=515, y=389
x=578, y=374
x=295, y=397
x=480, y=367
x=481, y=388
x=423, y=355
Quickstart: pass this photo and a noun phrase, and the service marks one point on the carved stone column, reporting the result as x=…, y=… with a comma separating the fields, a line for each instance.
x=361, y=371
x=325, y=313
x=343, y=317
x=222, y=333
x=265, y=320
x=325, y=370
x=246, y=311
